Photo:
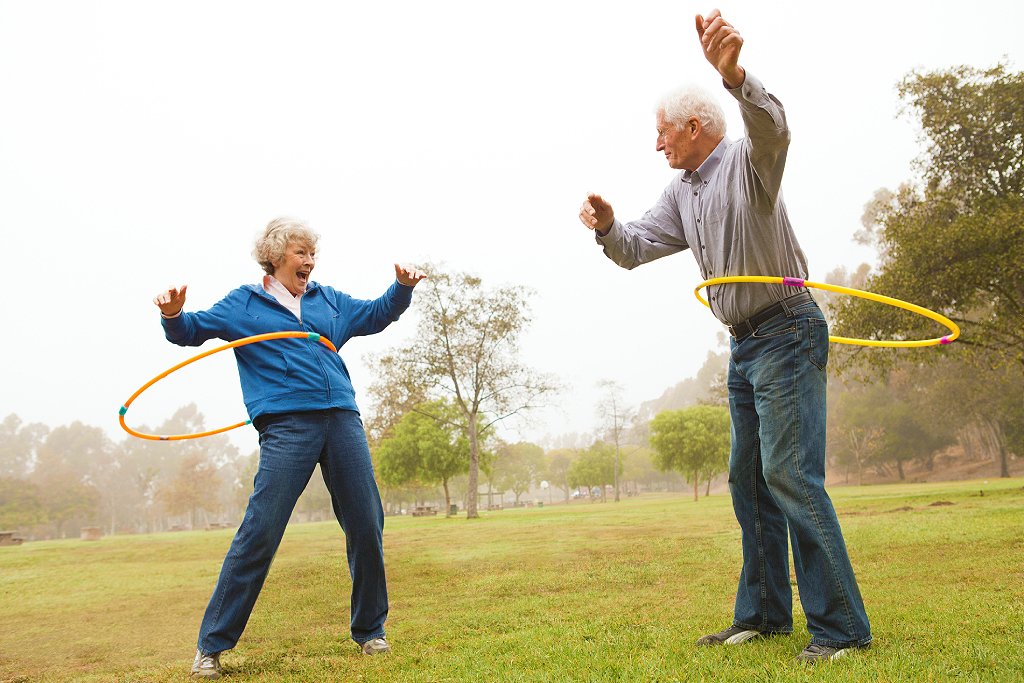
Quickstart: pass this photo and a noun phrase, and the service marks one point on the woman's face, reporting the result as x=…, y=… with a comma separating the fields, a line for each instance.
x=295, y=266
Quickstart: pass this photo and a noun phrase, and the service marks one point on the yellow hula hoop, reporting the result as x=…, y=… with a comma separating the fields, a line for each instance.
x=240, y=342
x=799, y=282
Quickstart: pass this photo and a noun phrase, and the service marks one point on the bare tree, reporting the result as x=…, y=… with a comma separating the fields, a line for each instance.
x=614, y=416
x=466, y=351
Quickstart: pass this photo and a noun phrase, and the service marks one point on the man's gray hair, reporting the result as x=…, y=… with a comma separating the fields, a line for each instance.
x=276, y=237
x=678, y=106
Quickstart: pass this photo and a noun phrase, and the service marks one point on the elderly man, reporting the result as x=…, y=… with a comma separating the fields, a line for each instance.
x=726, y=207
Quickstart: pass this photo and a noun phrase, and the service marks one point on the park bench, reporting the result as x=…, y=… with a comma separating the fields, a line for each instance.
x=8, y=538
x=91, y=533
x=423, y=511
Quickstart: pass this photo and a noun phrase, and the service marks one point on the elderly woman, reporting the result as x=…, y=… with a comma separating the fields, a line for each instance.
x=300, y=399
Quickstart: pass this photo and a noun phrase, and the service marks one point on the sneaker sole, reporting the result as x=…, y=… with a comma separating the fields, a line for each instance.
x=741, y=637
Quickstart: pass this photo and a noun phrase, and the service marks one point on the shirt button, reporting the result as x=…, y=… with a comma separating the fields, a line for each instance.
x=703, y=247
x=694, y=194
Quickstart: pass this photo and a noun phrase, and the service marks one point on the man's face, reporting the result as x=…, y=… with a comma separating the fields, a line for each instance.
x=679, y=145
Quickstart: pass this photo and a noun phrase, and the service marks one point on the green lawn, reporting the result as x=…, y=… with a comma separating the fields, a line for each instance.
x=588, y=592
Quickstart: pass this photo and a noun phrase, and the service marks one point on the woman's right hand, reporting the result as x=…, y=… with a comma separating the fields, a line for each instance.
x=171, y=301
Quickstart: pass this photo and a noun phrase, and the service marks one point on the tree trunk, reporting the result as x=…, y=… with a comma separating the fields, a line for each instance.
x=696, y=483
x=447, y=499
x=615, y=474
x=474, y=468
x=899, y=468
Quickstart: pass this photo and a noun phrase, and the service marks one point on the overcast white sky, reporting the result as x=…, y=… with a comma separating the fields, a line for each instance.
x=145, y=144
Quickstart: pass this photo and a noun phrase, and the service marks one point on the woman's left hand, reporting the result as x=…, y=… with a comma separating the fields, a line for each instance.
x=408, y=276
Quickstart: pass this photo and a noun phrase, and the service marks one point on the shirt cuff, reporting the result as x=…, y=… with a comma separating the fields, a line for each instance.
x=751, y=90
x=170, y=317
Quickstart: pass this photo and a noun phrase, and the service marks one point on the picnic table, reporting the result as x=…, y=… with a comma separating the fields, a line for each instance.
x=8, y=538
x=424, y=510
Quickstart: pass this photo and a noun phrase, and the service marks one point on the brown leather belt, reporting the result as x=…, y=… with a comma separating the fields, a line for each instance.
x=741, y=331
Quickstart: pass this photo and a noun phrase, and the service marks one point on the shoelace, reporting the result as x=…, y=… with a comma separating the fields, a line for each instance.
x=208, y=662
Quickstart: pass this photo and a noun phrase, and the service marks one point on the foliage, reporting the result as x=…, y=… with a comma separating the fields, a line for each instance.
x=21, y=504
x=425, y=447
x=594, y=467
x=518, y=467
x=465, y=351
x=195, y=487
x=694, y=441
x=559, y=462
x=18, y=445
x=955, y=243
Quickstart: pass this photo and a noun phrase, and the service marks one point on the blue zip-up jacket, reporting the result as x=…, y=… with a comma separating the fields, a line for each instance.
x=291, y=375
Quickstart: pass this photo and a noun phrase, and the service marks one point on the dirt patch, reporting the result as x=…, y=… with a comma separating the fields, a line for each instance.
x=940, y=503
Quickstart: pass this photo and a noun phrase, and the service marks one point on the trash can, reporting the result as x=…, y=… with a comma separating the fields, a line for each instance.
x=453, y=509
x=540, y=503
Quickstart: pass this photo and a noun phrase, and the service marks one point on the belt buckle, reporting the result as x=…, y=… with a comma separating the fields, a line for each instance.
x=738, y=332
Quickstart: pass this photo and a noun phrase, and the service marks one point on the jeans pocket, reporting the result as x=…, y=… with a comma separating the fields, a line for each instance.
x=817, y=342
x=775, y=327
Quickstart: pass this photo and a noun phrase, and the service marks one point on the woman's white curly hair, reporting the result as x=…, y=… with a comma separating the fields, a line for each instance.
x=276, y=237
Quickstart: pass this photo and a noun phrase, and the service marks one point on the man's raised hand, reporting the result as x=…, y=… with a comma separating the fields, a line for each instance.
x=721, y=44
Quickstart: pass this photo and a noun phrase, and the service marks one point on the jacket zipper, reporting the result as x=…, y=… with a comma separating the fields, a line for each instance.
x=302, y=328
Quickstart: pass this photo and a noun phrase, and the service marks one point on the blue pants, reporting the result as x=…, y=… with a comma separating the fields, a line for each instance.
x=777, y=479
x=291, y=444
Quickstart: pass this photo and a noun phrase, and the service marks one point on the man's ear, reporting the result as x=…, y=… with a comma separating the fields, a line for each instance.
x=693, y=127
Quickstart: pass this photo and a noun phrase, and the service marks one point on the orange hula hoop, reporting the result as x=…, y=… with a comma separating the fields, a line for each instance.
x=240, y=342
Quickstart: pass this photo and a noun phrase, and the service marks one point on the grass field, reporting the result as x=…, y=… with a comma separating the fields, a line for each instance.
x=588, y=592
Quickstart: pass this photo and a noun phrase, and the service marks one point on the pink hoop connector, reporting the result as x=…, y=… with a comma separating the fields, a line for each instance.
x=946, y=340
x=793, y=281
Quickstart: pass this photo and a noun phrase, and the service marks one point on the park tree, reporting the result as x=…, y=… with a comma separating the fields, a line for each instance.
x=18, y=445
x=559, y=462
x=194, y=488
x=21, y=504
x=693, y=441
x=953, y=240
x=71, y=465
x=425, y=447
x=595, y=466
x=615, y=417
x=518, y=467
x=638, y=467
x=466, y=351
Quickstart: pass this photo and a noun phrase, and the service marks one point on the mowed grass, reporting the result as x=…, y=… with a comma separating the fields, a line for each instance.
x=587, y=592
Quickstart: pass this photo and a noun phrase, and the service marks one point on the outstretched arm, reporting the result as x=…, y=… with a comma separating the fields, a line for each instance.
x=721, y=44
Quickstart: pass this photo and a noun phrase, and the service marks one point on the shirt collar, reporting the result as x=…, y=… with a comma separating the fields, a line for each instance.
x=273, y=286
x=706, y=170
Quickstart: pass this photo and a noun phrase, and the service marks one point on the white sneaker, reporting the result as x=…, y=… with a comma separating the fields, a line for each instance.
x=377, y=646
x=206, y=666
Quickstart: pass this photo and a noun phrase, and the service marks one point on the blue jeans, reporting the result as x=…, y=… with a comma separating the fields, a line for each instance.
x=777, y=479
x=291, y=444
